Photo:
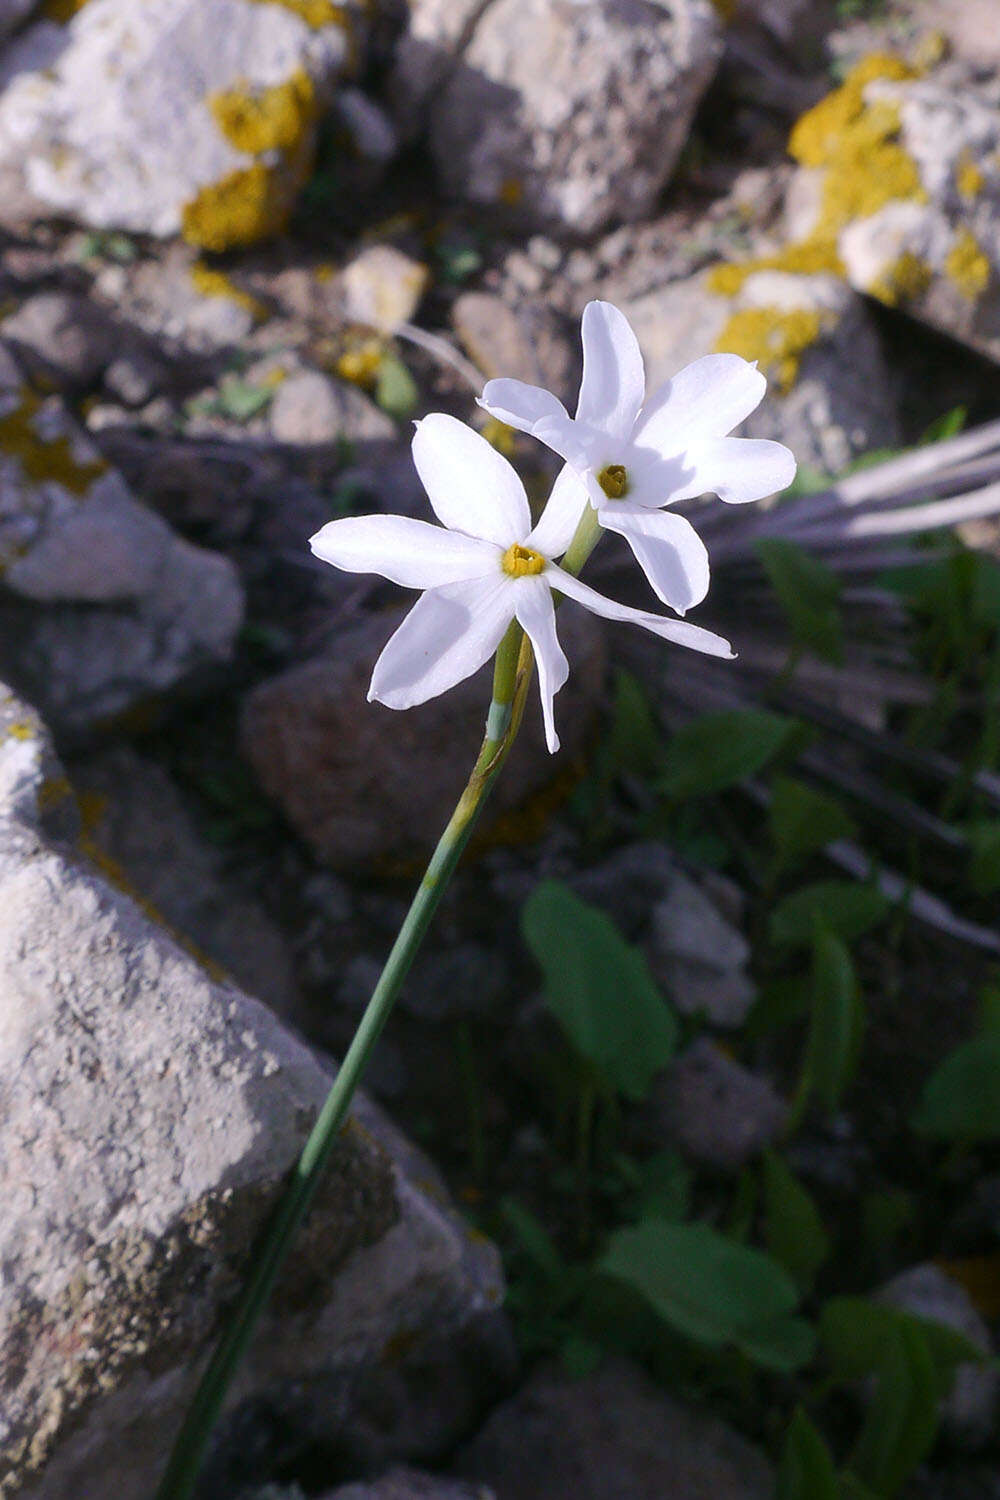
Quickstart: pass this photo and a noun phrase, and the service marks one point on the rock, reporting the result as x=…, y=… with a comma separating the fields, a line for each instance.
x=135, y=375
x=310, y=408
x=363, y=784
x=562, y=116
x=700, y=957
x=831, y=393
x=970, y=1409
x=383, y=287
x=101, y=603
x=372, y=135
x=184, y=308
x=718, y=1112
x=627, y=885
x=613, y=1433
x=151, y=1115
x=170, y=116
x=62, y=337
x=531, y=342
x=139, y=831
x=408, y=1484
x=13, y=12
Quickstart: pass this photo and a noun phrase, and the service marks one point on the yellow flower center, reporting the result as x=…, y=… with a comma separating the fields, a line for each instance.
x=520, y=562
x=613, y=480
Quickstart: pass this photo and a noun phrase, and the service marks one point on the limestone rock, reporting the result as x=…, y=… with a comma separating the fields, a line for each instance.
x=65, y=338
x=13, y=12
x=613, y=1433
x=170, y=116
x=150, y=1116
x=715, y=1110
x=101, y=604
x=566, y=115
x=310, y=409
x=700, y=956
x=364, y=784
x=831, y=395
x=970, y=1408
x=530, y=343
x=383, y=287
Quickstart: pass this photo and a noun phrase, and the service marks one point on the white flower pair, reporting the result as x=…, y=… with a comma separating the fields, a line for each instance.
x=486, y=565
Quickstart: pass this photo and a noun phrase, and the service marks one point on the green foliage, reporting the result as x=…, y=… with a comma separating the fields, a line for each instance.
x=836, y=1022
x=984, y=862
x=395, y=388
x=712, y=1290
x=803, y=821
x=600, y=990
x=809, y=594
x=845, y=909
x=718, y=750
x=240, y=400
x=961, y=1100
x=793, y=1228
x=806, y=1471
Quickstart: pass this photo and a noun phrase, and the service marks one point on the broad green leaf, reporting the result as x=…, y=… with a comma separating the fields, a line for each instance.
x=901, y=1422
x=783, y=1346
x=841, y=906
x=835, y=1023
x=961, y=1101
x=718, y=750
x=855, y=1331
x=793, y=1228
x=395, y=388
x=700, y=1283
x=809, y=594
x=804, y=821
x=807, y=1470
x=600, y=990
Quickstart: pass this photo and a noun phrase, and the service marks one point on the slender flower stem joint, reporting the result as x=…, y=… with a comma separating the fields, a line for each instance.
x=511, y=678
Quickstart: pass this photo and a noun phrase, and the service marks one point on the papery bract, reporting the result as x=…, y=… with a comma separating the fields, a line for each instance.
x=630, y=457
x=485, y=566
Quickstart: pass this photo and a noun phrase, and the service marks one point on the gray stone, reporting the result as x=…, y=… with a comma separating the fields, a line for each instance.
x=383, y=287
x=611, y=1434
x=63, y=337
x=364, y=784
x=101, y=604
x=409, y=1484
x=700, y=956
x=310, y=409
x=134, y=376
x=970, y=1409
x=13, y=12
x=718, y=1112
x=531, y=342
x=170, y=116
x=150, y=1117
x=566, y=116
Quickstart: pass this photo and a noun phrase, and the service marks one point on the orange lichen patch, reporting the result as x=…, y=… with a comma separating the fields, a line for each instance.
x=855, y=144
x=212, y=283
x=967, y=265
x=905, y=279
x=45, y=459
x=774, y=338
x=968, y=177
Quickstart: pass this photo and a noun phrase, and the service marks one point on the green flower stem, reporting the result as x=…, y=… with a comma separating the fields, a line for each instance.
x=585, y=539
x=511, y=676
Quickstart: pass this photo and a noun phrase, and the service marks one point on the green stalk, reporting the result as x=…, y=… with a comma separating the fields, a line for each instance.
x=511, y=676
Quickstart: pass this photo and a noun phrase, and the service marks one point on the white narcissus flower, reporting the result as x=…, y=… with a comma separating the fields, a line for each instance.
x=485, y=566
x=635, y=456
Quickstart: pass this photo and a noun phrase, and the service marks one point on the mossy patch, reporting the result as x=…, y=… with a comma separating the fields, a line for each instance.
x=967, y=265
x=775, y=338
x=45, y=459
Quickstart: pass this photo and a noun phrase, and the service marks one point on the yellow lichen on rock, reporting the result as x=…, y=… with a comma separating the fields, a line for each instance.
x=967, y=265
x=45, y=459
x=212, y=283
x=817, y=137
x=968, y=177
x=62, y=11
x=903, y=280
x=809, y=257
x=315, y=13
x=360, y=362
x=271, y=119
x=244, y=206
x=772, y=336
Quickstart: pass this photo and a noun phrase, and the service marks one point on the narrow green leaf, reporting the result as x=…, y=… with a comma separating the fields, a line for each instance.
x=600, y=990
x=807, y=1470
x=718, y=750
x=809, y=594
x=961, y=1101
x=845, y=909
x=793, y=1228
x=835, y=1024
x=901, y=1422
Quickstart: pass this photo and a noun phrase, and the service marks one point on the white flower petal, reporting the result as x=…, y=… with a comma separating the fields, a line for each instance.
x=471, y=486
x=412, y=553
x=614, y=381
x=706, y=399
x=670, y=630
x=447, y=636
x=520, y=405
x=561, y=516
x=536, y=614
x=668, y=550
x=738, y=469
